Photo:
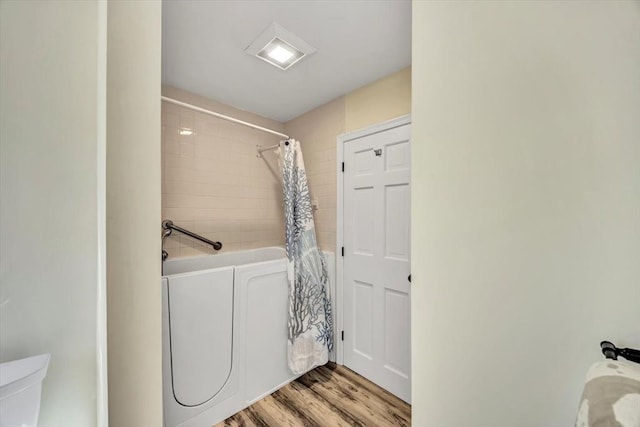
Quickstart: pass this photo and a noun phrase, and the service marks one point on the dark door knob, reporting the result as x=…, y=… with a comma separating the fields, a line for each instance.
x=409, y=278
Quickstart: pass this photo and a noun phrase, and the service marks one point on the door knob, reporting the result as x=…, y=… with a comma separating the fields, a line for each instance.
x=409, y=278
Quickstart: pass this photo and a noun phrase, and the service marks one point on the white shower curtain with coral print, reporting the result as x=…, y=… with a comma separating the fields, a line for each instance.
x=310, y=322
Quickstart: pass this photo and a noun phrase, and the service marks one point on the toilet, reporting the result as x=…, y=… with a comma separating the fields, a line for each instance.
x=20, y=386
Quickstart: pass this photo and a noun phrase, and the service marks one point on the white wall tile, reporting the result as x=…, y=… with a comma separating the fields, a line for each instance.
x=213, y=183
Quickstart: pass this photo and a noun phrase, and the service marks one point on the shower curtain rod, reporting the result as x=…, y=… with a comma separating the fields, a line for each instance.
x=262, y=150
x=222, y=116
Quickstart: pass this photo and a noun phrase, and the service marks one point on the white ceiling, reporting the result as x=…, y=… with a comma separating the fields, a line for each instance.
x=358, y=42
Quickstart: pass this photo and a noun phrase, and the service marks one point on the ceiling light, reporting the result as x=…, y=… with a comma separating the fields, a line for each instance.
x=279, y=47
x=280, y=54
x=186, y=131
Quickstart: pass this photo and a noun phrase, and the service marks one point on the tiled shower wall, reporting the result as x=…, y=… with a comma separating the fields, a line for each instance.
x=212, y=181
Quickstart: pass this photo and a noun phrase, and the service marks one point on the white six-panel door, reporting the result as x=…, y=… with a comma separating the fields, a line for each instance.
x=376, y=268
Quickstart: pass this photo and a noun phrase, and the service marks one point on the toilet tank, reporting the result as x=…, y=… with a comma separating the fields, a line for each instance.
x=20, y=387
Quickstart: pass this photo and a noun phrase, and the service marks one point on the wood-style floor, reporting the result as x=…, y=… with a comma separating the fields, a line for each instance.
x=327, y=396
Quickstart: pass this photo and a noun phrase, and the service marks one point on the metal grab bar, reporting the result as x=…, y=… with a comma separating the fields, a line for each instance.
x=168, y=225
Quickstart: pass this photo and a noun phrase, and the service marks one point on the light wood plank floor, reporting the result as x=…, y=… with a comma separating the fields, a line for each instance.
x=328, y=396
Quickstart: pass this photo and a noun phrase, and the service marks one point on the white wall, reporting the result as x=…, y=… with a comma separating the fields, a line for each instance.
x=526, y=205
x=133, y=213
x=49, y=195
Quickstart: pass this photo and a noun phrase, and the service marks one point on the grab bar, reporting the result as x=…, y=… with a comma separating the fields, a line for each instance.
x=168, y=225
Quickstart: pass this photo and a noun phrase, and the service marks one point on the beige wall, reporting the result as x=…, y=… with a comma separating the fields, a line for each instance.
x=317, y=131
x=212, y=181
x=49, y=197
x=385, y=99
x=133, y=214
x=526, y=231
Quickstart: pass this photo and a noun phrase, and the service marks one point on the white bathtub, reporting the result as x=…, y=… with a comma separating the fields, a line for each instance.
x=224, y=333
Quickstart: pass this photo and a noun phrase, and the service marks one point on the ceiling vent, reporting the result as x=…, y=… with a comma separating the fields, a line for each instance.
x=279, y=47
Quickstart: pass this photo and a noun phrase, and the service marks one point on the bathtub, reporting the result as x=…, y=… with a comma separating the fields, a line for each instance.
x=224, y=333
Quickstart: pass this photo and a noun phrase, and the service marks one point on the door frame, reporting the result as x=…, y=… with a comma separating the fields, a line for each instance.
x=341, y=142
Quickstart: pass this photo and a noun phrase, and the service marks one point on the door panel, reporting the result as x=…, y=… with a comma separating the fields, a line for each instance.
x=397, y=337
x=200, y=332
x=363, y=313
x=397, y=204
x=363, y=224
x=397, y=157
x=377, y=203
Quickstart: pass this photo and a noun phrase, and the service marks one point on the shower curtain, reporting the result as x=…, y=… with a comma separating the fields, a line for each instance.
x=310, y=325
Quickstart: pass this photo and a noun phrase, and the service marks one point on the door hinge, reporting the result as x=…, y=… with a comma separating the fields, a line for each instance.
x=342, y=166
x=343, y=251
x=342, y=336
